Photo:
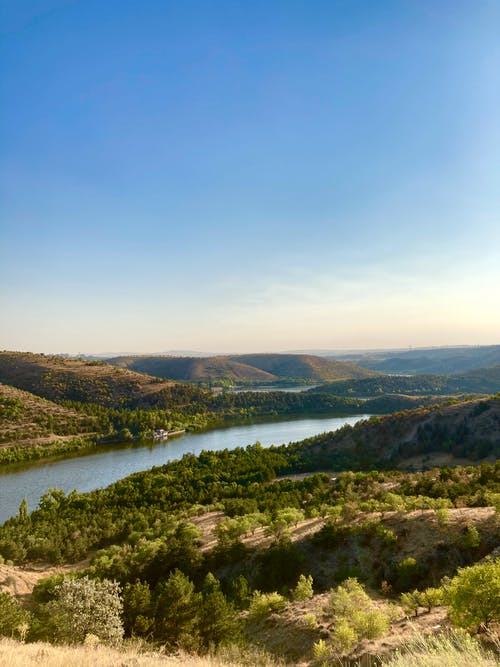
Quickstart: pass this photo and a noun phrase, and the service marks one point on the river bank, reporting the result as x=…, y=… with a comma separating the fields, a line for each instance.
x=89, y=469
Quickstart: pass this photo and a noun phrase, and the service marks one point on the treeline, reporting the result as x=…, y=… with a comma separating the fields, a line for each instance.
x=482, y=381
x=209, y=411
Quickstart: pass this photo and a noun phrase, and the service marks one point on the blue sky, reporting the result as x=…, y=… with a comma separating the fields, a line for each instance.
x=249, y=176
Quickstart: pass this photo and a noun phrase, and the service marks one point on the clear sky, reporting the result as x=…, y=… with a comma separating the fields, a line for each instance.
x=249, y=175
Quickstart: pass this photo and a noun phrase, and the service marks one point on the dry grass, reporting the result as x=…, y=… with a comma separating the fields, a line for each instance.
x=15, y=654
x=454, y=649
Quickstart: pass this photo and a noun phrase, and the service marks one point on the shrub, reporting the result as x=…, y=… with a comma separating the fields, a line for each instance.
x=356, y=617
x=321, y=651
x=370, y=624
x=429, y=598
x=473, y=595
x=265, y=603
x=85, y=606
x=344, y=636
x=407, y=572
x=13, y=619
x=347, y=598
x=304, y=588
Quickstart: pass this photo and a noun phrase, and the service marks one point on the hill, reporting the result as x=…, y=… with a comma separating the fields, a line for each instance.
x=244, y=369
x=465, y=430
x=28, y=418
x=194, y=368
x=476, y=381
x=59, y=378
x=303, y=366
x=440, y=361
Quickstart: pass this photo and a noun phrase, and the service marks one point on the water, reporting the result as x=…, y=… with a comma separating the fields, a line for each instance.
x=295, y=389
x=101, y=468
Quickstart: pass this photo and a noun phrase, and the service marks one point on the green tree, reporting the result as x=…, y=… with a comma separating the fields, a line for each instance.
x=218, y=618
x=14, y=620
x=304, y=588
x=137, y=609
x=473, y=595
x=177, y=612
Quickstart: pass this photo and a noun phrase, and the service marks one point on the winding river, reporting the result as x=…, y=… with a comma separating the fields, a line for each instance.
x=107, y=465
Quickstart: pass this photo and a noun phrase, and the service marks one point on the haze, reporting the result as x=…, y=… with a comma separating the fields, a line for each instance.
x=249, y=176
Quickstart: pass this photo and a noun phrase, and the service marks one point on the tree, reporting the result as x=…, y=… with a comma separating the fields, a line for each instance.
x=85, y=606
x=473, y=595
x=177, y=612
x=304, y=588
x=218, y=618
x=14, y=621
x=137, y=609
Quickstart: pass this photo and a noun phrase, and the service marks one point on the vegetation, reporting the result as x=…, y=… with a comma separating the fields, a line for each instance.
x=477, y=381
x=452, y=649
x=81, y=608
x=473, y=594
x=311, y=566
x=243, y=369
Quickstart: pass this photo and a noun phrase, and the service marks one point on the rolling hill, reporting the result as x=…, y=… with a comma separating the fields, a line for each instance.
x=440, y=361
x=304, y=366
x=248, y=368
x=476, y=381
x=193, y=369
x=59, y=378
x=465, y=430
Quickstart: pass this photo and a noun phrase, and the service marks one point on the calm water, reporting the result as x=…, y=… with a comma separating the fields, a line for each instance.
x=102, y=468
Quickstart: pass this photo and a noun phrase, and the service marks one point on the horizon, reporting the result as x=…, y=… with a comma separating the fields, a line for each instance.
x=272, y=176
x=201, y=354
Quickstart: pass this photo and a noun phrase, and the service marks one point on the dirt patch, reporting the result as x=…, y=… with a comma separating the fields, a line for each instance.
x=20, y=580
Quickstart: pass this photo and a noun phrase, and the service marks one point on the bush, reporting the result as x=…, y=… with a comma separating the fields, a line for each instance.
x=473, y=595
x=407, y=573
x=14, y=621
x=304, y=588
x=85, y=606
x=263, y=604
x=429, y=598
x=356, y=616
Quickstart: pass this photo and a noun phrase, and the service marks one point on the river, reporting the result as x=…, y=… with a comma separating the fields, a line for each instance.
x=107, y=465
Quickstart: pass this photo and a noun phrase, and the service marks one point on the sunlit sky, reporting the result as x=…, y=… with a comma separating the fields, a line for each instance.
x=233, y=176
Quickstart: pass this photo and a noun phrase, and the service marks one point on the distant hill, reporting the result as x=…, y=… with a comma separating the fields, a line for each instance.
x=59, y=378
x=477, y=381
x=194, y=368
x=303, y=366
x=440, y=361
x=248, y=368
x=26, y=417
x=470, y=430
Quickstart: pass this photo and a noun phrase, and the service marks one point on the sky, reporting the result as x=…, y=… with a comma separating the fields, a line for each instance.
x=230, y=176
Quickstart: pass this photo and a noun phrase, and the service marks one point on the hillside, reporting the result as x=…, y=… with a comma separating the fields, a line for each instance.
x=194, y=368
x=249, y=368
x=303, y=366
x=25, y=417
x=477, y=381
x=466, y=430
x=439, y=361
x=59, y=378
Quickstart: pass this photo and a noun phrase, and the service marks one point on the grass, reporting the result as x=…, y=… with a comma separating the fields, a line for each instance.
x=15, y=654
x=454, y=649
